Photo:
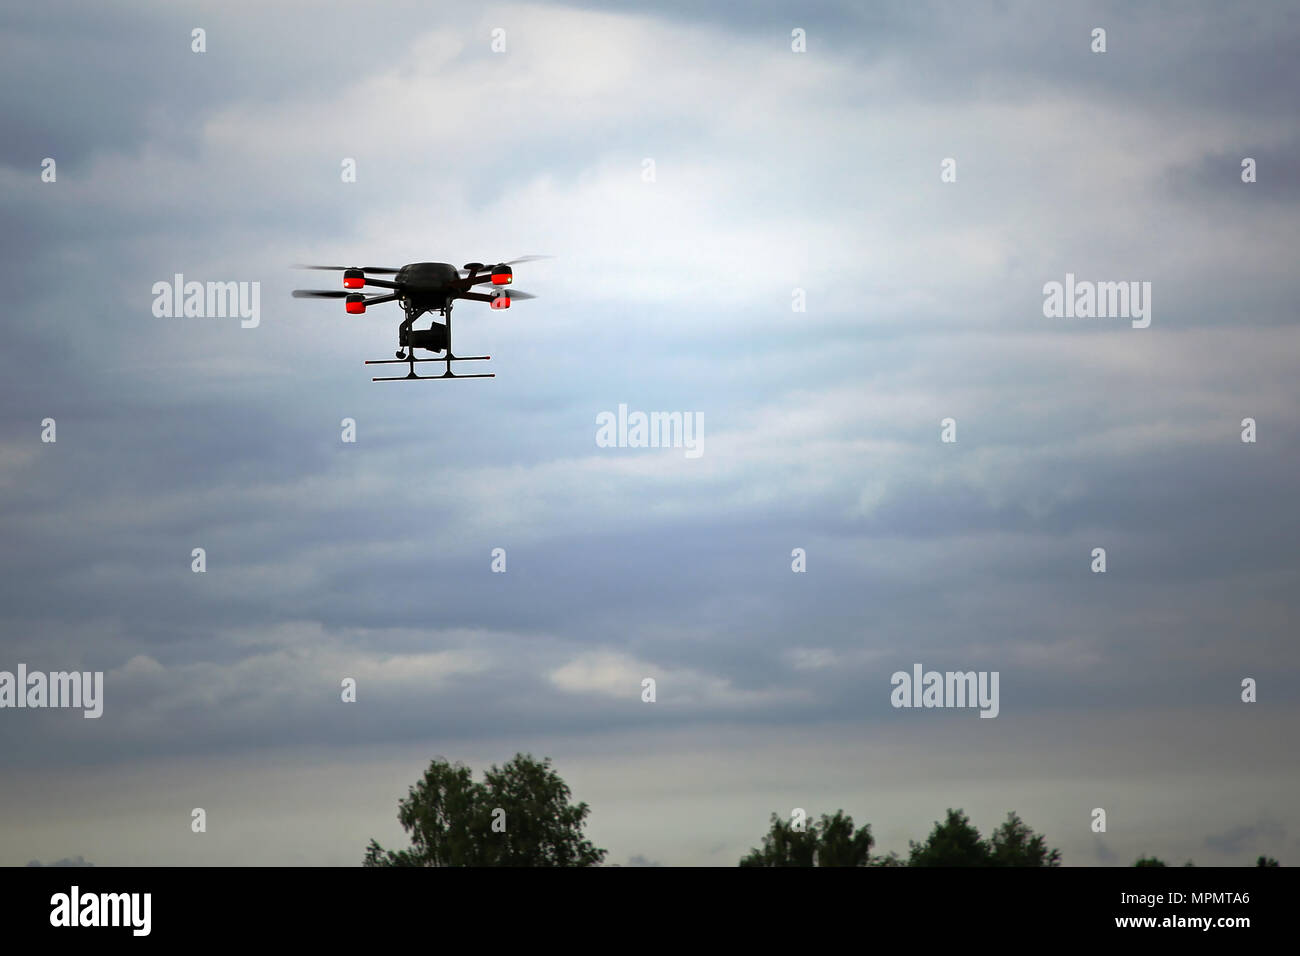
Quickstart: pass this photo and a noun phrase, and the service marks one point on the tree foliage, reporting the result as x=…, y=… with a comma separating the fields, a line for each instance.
x=1014, y=844
x=520, y=815
x=953, y=842
x=832, y=841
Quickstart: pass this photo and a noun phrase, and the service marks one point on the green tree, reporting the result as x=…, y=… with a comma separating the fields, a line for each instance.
x=1014, y=844
x=840, y=844
x=1267, y=861
x=954, y=842
x=832, y=841
x=543, y=827
x=1149, y=861
x=519, y=816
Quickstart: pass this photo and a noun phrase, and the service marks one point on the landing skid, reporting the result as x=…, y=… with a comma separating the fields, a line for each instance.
x=409, y=376
x=446, y=359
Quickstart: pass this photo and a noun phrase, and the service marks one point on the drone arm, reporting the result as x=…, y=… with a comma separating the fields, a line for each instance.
x=381, y=299
x=382, y=283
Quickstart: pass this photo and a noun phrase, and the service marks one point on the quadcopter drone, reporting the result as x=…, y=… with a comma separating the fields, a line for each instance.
x=422, y=287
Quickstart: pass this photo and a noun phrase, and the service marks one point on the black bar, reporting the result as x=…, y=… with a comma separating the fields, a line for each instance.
x=989, y=907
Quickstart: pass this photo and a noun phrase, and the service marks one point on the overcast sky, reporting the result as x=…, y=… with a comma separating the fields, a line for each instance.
x=774, y=171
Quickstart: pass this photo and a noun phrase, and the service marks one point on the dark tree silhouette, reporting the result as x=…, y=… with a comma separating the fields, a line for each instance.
x=842, y=846
x=832, y=841
x=954, y=842
x=1014, y=844
x=519, y=816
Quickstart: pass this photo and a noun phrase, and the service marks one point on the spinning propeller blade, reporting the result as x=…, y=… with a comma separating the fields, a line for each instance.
x=377, y=270
x=511, y=262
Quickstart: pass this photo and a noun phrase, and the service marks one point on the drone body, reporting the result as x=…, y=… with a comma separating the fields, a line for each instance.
x=421, y=287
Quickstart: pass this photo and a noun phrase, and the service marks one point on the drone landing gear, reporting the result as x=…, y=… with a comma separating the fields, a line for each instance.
x=406, y=338
x=448, y=359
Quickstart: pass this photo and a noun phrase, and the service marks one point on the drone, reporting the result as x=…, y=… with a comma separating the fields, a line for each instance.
x=421, y=287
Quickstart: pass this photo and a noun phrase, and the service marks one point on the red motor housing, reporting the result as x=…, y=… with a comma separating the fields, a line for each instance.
x=501, y=301
x=356, y=304
x=354, y=279
x=501, y=275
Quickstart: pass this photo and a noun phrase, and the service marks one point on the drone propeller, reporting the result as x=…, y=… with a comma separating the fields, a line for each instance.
x=321, y=294
x=518, y=294
x=377, y=270
x=512, y=262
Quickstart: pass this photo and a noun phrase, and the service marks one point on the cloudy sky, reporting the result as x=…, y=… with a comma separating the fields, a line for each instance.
x=773, y=172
